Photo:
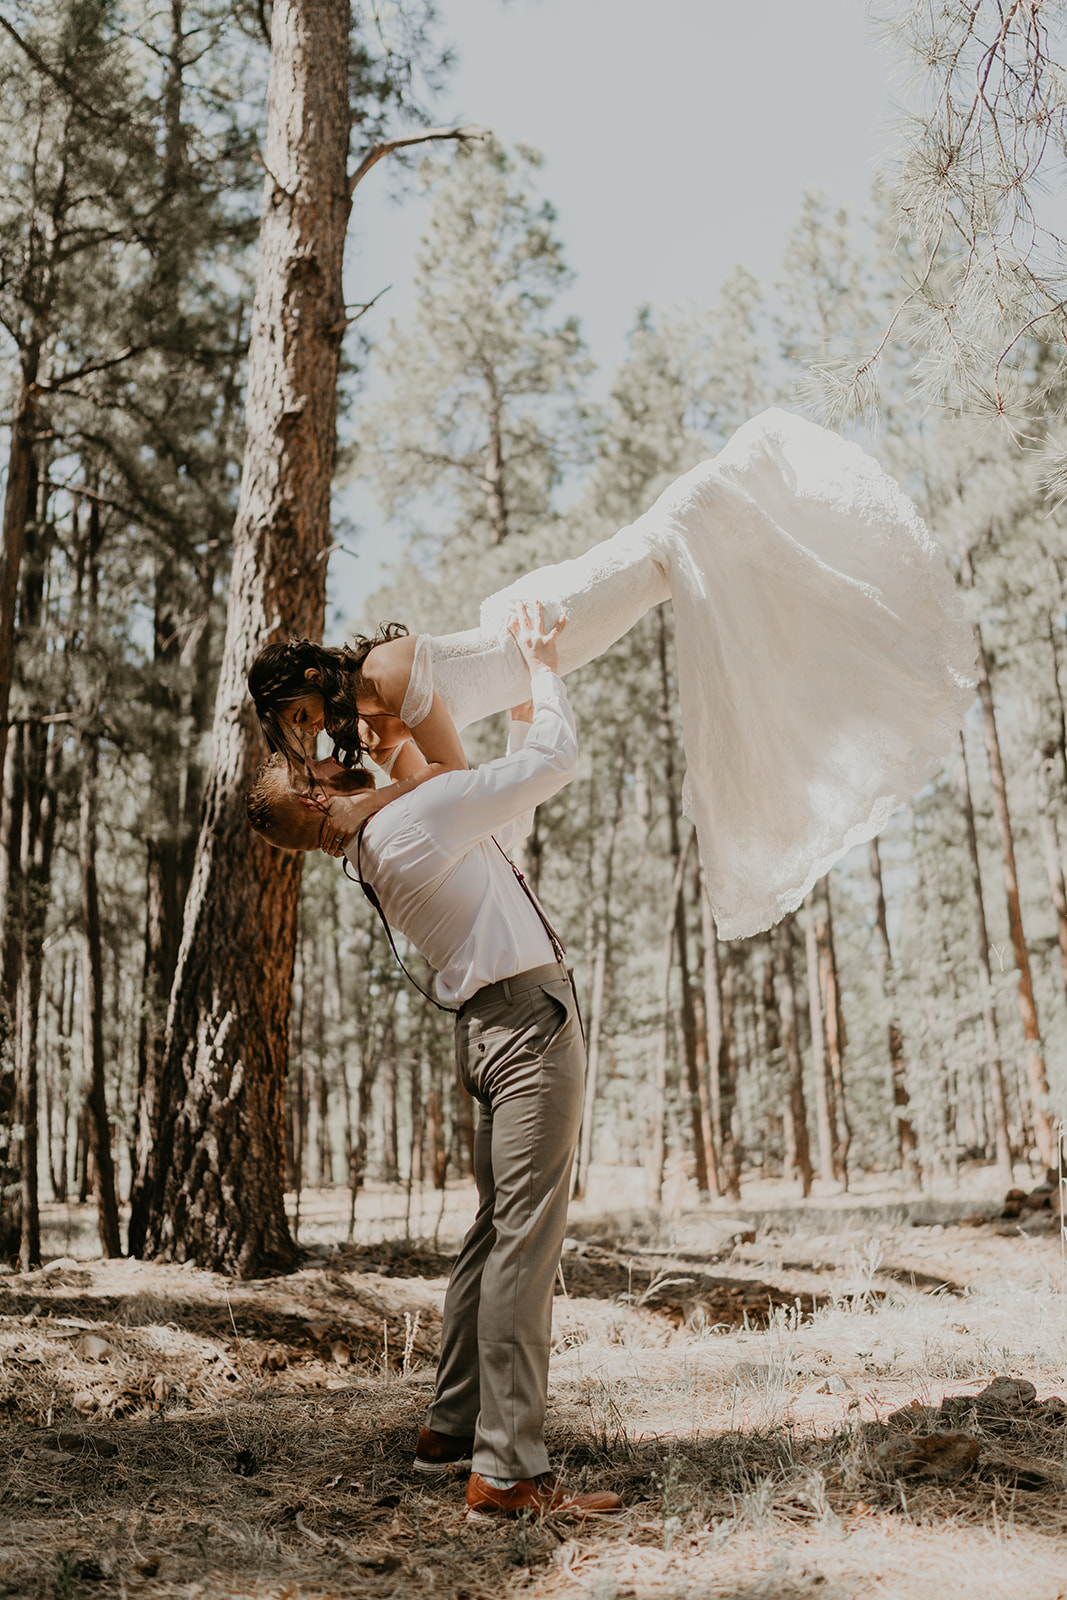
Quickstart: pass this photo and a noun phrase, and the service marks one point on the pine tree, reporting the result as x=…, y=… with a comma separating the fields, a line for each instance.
x=481, y=409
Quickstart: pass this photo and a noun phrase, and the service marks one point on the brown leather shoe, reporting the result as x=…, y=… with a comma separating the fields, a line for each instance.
x=541, y=1496
x=435, y=1452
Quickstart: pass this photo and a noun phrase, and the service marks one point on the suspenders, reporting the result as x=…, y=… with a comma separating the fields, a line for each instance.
x=558, y=948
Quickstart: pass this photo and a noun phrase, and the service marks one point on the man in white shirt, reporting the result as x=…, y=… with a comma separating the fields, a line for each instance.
x=434, y=858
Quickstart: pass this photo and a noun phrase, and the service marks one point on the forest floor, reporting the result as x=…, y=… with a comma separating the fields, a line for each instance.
x=788, y=1398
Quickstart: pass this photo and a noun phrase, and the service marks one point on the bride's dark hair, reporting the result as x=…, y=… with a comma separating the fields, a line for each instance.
x=278, y=676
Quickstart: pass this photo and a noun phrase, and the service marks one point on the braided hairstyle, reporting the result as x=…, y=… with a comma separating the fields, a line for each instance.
x=278, y=676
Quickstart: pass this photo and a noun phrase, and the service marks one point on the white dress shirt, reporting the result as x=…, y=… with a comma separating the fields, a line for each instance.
x=443, y=883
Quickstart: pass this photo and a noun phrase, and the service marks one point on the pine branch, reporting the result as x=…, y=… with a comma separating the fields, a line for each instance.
x=54, y=384
x=61, y=79
x=375, y=154
x=346, y=322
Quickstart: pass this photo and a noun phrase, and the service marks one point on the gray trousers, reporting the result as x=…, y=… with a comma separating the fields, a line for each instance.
x=521, y=1055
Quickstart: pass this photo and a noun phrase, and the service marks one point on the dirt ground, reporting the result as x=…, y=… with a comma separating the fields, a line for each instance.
x=792, y=1401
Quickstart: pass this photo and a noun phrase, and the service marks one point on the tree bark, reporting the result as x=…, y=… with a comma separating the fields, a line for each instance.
x=1037, y=1080
x=213, y=1176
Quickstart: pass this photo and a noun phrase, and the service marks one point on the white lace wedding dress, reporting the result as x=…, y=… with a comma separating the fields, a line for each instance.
x=824, y=663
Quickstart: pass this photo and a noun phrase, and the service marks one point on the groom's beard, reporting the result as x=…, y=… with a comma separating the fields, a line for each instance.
x=350, y=780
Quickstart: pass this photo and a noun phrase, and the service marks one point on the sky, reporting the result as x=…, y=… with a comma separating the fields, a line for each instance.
x=678, y=138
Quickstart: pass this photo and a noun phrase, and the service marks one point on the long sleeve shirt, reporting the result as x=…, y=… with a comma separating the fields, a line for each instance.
x=431, y=858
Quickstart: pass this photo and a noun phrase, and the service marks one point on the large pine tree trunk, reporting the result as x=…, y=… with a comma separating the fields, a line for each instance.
x=1037, y=1080
x=213, y=1176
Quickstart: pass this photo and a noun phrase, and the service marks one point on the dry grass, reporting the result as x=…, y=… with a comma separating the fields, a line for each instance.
x=166, y=1433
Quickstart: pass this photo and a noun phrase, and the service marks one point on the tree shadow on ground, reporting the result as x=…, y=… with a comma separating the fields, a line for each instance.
x=301, y=1492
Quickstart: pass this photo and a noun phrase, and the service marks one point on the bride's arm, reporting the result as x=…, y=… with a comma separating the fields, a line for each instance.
x=387, y=674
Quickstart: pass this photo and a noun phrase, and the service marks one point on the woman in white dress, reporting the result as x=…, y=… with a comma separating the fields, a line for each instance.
x=824, y=662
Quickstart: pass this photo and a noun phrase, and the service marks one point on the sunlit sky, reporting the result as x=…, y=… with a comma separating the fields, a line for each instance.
x=678, y=139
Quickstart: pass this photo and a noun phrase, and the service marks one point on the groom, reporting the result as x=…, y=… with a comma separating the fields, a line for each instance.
x=434, y=856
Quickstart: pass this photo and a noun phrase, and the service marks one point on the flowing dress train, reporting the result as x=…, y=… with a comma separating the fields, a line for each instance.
x=824, y=661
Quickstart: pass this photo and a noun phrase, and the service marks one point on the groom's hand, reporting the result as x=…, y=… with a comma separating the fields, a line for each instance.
x=538, y=646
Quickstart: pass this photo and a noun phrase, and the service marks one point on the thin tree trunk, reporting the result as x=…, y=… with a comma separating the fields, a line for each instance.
x=798, y=1149
x=164, y=895
x=93, y=1009
x=33, y=772
x=1051, y=847
x=824, y=1100
x=703, y=1157
x=658, y=1152
x=1037, y=1080
x=724, y=1078
x=495, y=491
x=598, y=985
x=596, y=1016
x=214, y=1174
x=985, y=981
x=19, y=493
x=391, y=1121
x=435, y=1117
x=700, y=1014
x=835, y=1033
x=323, y=1146
x=905, y=1140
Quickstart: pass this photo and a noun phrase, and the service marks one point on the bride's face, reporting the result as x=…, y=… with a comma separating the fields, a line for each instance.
x=306, y=715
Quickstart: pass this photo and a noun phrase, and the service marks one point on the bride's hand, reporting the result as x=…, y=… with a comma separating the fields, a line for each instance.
x=527, y=627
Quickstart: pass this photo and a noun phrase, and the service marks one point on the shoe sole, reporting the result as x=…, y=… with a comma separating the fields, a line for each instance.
x=474, y=1515
x=438, y=1469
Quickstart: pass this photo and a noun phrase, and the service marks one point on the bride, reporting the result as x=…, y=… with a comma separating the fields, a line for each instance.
x=824, y=662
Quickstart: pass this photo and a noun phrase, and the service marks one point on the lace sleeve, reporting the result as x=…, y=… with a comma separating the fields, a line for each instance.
x=418, y=697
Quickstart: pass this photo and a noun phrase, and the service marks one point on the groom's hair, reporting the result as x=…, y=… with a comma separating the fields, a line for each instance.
x=275, y=812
